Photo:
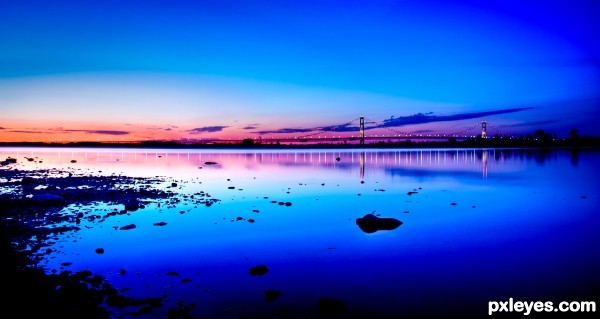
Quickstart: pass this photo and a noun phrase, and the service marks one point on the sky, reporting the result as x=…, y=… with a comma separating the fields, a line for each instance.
x=143, y=70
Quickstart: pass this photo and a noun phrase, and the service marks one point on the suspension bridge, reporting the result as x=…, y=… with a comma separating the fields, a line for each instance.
x=356, y=131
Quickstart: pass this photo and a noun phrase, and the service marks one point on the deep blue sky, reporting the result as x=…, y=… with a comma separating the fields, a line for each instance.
x=250, y=67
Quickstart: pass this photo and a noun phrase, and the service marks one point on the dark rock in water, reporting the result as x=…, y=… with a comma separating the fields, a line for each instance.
x=29, y=181
x=288, y=203
x=48, y=199
x=99, y=250
x=4, y=163
x=73, y=161
x=330, y=307
x=410, y=193
x=258, y=270
x=172, y=274
x=371, y=223
x=338, y=159
x=251, y=220
x=132, y=205
x=272, y=295
x=210, y=163
x=160, y=224
x=128, y=227
x=173, y=184
x=11, y=160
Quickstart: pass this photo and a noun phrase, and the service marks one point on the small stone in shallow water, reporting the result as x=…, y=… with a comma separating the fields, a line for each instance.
x=272, y=295
x=99, y=250
x=128, y=227
x=160, y=224
x=258, y=270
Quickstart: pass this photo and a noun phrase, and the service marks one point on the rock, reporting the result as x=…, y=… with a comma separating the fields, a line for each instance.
x=330, y=307
x=272, y=295
x=48, y=199
x=128, y=227
x=210, y=163
x=11, y=160
x=258, y=270
x=371, y=223
x=99, y=250
x=173, y=184
x=131, y=205
x=73, y=161
x=29, y=181
x=4, y=163
x=160, y=224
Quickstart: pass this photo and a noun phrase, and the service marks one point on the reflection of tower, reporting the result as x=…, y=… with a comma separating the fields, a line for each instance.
x=362, y=130
x=362, y=166
x=484, y=163
x=483, y=129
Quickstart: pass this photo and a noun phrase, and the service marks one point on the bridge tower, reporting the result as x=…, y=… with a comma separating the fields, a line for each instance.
x=483, y=129
x=362, y=130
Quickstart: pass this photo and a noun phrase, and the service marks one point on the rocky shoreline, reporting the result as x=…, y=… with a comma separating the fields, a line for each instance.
x=32, y=214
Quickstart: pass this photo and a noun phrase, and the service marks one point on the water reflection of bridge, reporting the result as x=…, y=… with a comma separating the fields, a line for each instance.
x=347, y=159
x=434, y=159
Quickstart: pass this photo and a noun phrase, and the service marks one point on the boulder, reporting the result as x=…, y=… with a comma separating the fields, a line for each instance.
x=371, y=223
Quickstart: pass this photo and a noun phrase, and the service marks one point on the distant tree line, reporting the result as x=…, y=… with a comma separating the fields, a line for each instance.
x=539, y=138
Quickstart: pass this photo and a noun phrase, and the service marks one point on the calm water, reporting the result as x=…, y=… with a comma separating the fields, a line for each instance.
x=483, y=225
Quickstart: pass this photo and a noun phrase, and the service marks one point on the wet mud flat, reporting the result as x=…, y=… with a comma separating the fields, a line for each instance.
x=32, y=215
